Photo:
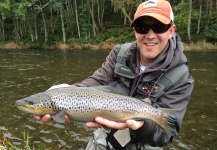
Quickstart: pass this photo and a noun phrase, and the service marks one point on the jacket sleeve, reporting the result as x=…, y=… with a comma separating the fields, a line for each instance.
x=176, y=98
x=103, y=75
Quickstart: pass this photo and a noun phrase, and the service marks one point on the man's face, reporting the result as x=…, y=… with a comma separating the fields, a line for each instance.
x=152, y=44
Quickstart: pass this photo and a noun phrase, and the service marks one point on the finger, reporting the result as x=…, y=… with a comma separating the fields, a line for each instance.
x=110, y=124
x=37, y=117
x=134, y=125
x=66, y=119
x=46, y=118
x=92, y=125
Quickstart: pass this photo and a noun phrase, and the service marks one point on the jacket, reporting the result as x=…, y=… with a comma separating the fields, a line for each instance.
x=176, y=97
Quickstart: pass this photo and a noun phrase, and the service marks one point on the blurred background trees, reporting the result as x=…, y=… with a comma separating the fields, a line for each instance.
x=97, y=21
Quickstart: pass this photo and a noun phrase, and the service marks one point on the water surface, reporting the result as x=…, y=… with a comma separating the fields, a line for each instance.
x=26, y=72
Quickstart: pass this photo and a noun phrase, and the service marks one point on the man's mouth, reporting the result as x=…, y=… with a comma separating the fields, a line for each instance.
x=150, y=44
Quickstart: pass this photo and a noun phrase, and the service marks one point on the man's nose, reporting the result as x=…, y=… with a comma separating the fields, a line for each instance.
x=150, y=34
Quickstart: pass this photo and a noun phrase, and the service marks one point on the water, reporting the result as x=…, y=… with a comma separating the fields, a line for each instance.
x=25, y=72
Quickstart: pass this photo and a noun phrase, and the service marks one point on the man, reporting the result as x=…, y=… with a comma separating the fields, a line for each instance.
x=151, y=68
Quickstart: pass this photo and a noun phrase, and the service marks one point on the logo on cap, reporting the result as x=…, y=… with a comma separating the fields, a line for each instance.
x=150, y=3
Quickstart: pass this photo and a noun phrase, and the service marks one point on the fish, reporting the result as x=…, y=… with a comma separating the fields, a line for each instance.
x=84, y=104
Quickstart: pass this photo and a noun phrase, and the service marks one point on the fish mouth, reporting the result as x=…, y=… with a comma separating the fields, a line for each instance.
x=17, y=104
x=24, y=108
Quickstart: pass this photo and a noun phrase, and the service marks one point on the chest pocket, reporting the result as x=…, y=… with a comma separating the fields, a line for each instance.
x=123, y=74
x=167, y=81
x=123, y=77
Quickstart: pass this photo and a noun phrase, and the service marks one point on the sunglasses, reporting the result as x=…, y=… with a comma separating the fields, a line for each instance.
x=157, y=28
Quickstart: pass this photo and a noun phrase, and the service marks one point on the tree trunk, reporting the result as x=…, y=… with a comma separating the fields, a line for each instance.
x=100, y=11
x=199, y=19
x=2, y=29
x=94, y=27
x=17, y=36
x=30, y=31
x=69, y=14
x=207, y=14
x=125, y=13
x=51, y=19
x=76, y=15
x=189, y=20
x=35, y=22
x=210, y=12
x=62, y=23
x=44, y=23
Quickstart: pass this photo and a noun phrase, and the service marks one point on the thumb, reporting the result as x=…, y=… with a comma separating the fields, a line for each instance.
x=134, y=125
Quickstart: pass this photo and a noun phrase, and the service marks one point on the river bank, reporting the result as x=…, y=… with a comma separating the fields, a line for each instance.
x=197, y=46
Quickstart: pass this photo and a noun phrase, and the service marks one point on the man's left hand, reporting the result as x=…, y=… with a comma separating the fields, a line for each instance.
x=132, y=124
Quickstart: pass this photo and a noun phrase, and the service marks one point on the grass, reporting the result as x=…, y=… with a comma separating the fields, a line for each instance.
x=200, y=46
x=193, y=46
x=6, y=144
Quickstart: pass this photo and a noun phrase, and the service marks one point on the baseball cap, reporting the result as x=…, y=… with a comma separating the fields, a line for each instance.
x=158, y=9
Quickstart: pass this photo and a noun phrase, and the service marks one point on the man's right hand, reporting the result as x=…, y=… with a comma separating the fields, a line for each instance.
x=47, y=118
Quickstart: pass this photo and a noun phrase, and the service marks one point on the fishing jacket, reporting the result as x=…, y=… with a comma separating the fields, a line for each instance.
x=160, y=82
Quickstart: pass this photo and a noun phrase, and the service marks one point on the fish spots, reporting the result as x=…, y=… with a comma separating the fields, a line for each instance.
x=86, y=101
x=84, y=104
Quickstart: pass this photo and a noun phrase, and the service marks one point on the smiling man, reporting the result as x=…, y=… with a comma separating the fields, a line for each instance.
x=152, y=37
x=152, y=69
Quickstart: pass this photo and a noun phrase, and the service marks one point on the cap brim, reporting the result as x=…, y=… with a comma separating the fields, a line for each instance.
x=159, y=17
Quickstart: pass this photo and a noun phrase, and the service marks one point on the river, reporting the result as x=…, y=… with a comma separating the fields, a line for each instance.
x=26, y=72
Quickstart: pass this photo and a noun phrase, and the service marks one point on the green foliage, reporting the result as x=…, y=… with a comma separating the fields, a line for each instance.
x=20, y=19
x=9, y=8
x=181, y=15
x=75, y=40
x=116, y=35
x=19, y=9
x=181, y=19
x=7, y=144
x=211, y=33
x=5, y=9
x=34, y=45
x=56, y=4
x=84, y=21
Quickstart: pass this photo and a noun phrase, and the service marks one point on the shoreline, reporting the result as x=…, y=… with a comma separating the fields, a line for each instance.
x=197, y=46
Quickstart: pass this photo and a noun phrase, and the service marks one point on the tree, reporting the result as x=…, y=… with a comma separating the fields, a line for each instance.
x=40, y=8
x=62, y=20
x=100, y=12
x=92, y=11
x=5, y=10
x=58, y=6
x=84, y=19
x=200, y=16
x=76, y=16
x=125, y=7
x=181, y=13
x=189, y=20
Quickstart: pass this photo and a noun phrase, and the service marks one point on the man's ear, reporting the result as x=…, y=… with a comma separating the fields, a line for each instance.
x=172, y=29
x=135, y=33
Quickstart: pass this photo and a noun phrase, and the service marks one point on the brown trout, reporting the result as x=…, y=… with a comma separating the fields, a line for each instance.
x=86, y=103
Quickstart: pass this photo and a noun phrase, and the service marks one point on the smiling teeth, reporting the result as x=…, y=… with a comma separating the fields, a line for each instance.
x=150, y=44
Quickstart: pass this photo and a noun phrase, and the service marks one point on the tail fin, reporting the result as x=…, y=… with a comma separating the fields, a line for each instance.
x=168, y=119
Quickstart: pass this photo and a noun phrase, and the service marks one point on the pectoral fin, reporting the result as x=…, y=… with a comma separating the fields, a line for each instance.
x=59, y=117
